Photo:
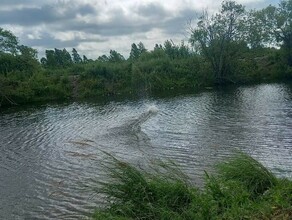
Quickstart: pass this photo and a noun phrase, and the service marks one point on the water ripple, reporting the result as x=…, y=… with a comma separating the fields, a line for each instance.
x=50, y=156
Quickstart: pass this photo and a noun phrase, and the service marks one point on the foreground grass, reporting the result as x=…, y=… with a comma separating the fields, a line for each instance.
x=241, y=189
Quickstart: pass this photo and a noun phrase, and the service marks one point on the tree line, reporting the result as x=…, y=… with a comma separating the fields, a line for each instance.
x=233, y=45
x=223, y=37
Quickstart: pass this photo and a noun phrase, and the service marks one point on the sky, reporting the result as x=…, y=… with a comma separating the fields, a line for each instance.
x=94, y=27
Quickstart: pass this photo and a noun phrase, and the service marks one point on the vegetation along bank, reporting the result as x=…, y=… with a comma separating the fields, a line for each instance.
x=232, y=46
x=241, y=189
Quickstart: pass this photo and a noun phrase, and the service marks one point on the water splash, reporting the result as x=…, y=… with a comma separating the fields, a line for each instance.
x=136, y=124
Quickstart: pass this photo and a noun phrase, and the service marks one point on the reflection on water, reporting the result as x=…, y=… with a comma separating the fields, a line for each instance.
x=49, y=154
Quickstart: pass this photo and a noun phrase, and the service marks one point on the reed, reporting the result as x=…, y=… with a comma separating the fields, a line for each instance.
x=241, y=189
x=247, y=171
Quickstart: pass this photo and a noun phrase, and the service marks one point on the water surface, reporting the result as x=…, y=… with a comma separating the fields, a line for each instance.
x=49, y=154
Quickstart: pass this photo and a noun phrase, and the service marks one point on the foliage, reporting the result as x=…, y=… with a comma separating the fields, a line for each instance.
x=218, y=38
x=137, y=51
x=115, y=56
x=176, y=51
x=259, y=26
x=284, y=28
x=135, y=194
x=256, y=178
x=8, y=42
x=57, y=58
x=162, y=191
x=76, y=56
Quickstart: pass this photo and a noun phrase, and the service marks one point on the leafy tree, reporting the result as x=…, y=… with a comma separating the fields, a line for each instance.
x=27, y=60
x=169, y=48
x=284, y=28
x=260, y=27
x=158, y=47
x=141, y=48
x=57, y=58
x=134, y=54
x=17, y=62
x=44, y=61
x=85, y=59
x=218, y=37
x=28, y=51
x=115, y=56
x=63, y=57
x=137, y=51
x=66, y=58
x=184, y=51
x=176, y=51
x=51, y=59
x=103, y=58
x=14, y=57
x=8, y=42
x=76, y=57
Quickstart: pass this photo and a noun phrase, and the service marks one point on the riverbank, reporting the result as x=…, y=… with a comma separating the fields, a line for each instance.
x=141, y=78
x=241, y=189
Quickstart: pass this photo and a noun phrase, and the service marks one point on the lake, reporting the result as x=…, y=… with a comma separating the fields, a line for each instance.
x=50, y=154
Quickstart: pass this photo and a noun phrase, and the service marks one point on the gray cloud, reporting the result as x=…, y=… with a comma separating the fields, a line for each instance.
x=152, y=11
x=45, y=14
x=50, y=41
x=17, y=2
x=178, y=24
x=258, y=5
x=39, y=21
x=119, y=24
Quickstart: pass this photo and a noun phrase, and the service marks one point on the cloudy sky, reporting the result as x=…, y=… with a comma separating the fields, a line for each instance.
x=94, y=27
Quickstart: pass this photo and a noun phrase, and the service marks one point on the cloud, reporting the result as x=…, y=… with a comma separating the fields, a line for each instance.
x=55, y=40
x=46, y=14
x=151, y=10
x=96, y=26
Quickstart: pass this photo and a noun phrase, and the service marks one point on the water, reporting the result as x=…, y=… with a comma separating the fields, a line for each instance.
x=50, y=154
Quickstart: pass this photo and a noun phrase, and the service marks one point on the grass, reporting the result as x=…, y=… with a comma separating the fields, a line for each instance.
x=241, y=189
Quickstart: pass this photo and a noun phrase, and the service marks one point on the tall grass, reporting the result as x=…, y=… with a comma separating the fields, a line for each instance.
x=249, y=172
x=242, y=188
x=134, y=193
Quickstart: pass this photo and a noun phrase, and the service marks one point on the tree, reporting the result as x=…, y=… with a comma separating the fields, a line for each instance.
x=15, y=60
x=8, y=42
x=137, y=51
x=141, y=48
x=44, y=61
x=134, y=54
x=176, y=51
x=76, y=57
x=28, y=51
x=57, y=58
x=217, y=37
x=50, y=59
x=103, y=58
x=284, y=28
x=260, y=26
x=115, y=56
x=183, y=50
x=85, y=59
x=66, y=58
x=169, y=48
x=158, y=47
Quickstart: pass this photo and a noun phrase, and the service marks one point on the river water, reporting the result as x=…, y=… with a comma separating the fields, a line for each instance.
x=49, y=154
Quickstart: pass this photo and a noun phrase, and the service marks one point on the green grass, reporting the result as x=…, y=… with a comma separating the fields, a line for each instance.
x=249, y=172
x=241, y=189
